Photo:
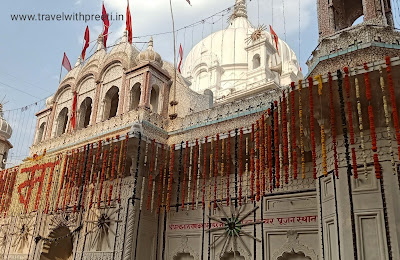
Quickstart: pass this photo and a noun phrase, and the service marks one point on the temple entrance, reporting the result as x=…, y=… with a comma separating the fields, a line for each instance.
x=60, y=249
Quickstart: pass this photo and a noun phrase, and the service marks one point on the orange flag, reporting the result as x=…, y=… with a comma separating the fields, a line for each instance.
x=86, y=43
x=275, y=38
x=129, y=24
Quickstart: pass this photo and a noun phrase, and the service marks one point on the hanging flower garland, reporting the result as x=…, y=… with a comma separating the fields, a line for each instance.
x=113, y=165
x=285, y=138
x=333, y=125
x=135, y=180
x=241, y=166
x=66, y=159
x=87, y=174
x=258, y=162
x=372, y=122
x=198, y=174
x=276, y=138
x=323, y=144
x=270, y=153
x=252, y=162
x=216, y=170
x=161, y=186
x=123, y=165
x=293, y=130
x=312, y=126
x=171, y=176
x=393, y=102
x=343, y=117
x=303, y=159
x=153, y=190
x=222, y=187
x=102, y=176
x=190, y=176
x=178, y=190
x=146, y=151
x=387, y=121
x=184, y=174
x=204, y=171
x=196, y=149
x=246, y=168
x=261, y=155
x=350, y=118
x=228, y=169
x=361, y=126
x=150, y=184
x=96, y=170
x=49, y=184
x=68, y=180
x=210, y=173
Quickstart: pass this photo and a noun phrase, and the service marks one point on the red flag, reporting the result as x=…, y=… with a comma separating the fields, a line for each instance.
x=86, y=43
x=65, y=62
x=181, y=58
x=129, y=24
x=106, y=22
x=275, y=38
x=73, y=117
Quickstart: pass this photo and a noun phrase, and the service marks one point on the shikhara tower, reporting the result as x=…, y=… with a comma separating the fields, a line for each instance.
x=259, y=162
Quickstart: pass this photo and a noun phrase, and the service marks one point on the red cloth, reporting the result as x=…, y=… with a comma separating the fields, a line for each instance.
x=65, y=62
x=86, y=43
x=106, y=22
x=74, y=104
x=275, y=38
x=129, y=24
x=181, y=58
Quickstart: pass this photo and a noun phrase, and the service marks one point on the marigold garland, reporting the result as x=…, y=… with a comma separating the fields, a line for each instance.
x=198, y=174
x=252, y=162
x=222, y=187
x=344, y=123
x=303, y=160
x=114, y=161
x=261, y=155
x=247, y=169
x=228, y=169
x=190, y=176
x=204, y=171
x=210, y=173
x=350, y=118
x=96, y=170
x=153, y=190
x=293, y=130
x=241, y=165
x=270, y=153
x=123, y=165
x=66, y=159
x=361, y=126
x=102, y=176
x=393, y=103
x=87, y=174
x=171, y=176
x=276, y=139
x=323, y=144
x=216, y=170
x=184, y=174
x=333, y=125
x=196, y=150
x=387, y=121
x=68, y=180
x=150, y=184
x=285, y=138
x=312, y=126
x=160, y=182
x=257, y=158
x=372, y=122
x=165, y=177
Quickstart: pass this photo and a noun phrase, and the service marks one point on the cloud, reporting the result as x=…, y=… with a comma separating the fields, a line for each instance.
x=78, y=2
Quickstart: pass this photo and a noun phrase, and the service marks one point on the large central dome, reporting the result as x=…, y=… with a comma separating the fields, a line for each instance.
x=226, y=62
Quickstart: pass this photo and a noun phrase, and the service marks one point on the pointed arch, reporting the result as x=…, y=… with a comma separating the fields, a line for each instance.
x=62, y=122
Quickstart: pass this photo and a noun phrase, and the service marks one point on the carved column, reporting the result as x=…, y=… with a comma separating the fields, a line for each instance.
x=122, y=95
x=96, y=104
x=51, y=121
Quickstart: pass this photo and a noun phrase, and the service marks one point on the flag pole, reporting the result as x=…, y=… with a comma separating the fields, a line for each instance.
x=59, y=80
x=173, y=33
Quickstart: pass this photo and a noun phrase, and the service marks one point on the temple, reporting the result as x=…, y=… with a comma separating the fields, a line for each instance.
x=239, y=157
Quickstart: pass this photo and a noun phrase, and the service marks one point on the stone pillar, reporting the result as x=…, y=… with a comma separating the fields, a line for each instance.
x=96, y=103
x=122, y=95
x=145, y=91
x=51, y=121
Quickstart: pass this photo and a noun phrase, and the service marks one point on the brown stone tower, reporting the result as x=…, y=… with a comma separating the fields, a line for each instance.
x=342, y=44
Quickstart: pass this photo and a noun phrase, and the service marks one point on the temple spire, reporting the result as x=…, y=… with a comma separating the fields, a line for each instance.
x=240, y=10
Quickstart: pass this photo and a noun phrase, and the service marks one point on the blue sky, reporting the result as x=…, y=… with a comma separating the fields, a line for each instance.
x=31, y=51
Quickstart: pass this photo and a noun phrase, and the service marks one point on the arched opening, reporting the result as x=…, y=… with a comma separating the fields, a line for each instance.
x=111, y=103
x=40, y=133
x=61, y=249
x=359, y=20
x=154, y=98
x=202, y=79
x=294, y=256
x=85, y=112
x=62, y=122
x=135, y=96
x=256, y=61
x=183, y=256
x=232, y=256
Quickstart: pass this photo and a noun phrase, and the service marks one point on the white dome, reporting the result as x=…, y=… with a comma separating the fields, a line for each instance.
x=5, y=128
x=229, y=50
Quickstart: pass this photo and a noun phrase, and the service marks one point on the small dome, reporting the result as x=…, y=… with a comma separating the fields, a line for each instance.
x=5, y=128
x=149, y=55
